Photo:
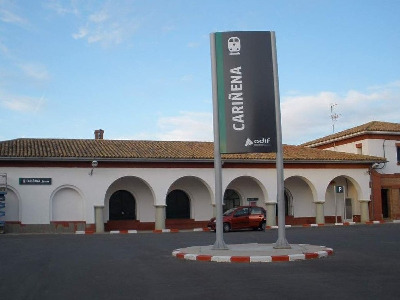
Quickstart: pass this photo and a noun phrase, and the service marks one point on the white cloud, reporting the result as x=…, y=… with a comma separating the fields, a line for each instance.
x=304, y=117
x=80, y=34
x=22, y=103
x=99, y=17
x=110, y=25
x=9, y=17
x=308, y=117
x=193, y=45
x=35, y=71
x=168, y=28
x=187, y=78
x=186, y=126
x=62, y=8
x=3, y=48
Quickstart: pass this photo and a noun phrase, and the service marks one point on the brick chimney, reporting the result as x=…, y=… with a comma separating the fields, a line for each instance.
x=98, y=134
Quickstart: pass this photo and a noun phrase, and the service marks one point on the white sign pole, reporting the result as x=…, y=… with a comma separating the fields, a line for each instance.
x=219, y=234
x=344, y=204
x=334, y=191
x=281, y=243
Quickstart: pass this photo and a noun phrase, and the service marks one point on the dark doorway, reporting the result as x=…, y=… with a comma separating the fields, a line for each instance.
x=288, y=203
x=178, y=205
x=122, y=206
x=231, y=199
x=385, y=203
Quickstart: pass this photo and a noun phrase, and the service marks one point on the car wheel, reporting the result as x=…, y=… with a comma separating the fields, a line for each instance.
x=262, y=226
x=226, y=227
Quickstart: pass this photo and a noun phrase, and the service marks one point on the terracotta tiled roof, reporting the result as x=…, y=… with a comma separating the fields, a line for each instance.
x=373, y=127
x=142, y=150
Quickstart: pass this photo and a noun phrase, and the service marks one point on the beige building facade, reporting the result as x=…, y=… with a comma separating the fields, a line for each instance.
x=62, y=185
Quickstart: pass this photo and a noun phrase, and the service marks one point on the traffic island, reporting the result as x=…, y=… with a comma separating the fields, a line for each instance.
x=253, y=253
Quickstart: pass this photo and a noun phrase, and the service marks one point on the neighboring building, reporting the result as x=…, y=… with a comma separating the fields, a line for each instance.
x=377, y=139
x=66, y=184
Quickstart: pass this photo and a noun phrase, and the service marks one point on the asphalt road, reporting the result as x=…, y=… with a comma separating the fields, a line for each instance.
x=365, y=265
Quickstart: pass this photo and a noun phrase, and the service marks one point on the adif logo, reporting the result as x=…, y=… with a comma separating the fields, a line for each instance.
x=258, y=142
x=234, y=46
x=248, y=142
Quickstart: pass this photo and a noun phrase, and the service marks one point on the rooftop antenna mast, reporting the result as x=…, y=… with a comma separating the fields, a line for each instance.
x=334, y=116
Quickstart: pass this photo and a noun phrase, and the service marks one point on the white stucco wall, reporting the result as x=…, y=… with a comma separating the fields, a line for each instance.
x=375, y=147
x=303, y=202
x=150, y=186
x=67, y=205
x=12, y=206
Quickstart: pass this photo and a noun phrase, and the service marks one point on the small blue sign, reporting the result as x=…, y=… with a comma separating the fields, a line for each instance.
x=339, y=189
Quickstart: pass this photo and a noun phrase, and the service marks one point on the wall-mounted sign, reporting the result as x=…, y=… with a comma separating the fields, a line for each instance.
x=339, y=189
x=35, y=181
x=252, y=199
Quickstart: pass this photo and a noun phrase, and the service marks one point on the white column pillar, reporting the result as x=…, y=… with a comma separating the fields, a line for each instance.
x=99, y=218
x=319, y=212
x=364, y=209
x=160, y=217
x=214, y=210
x=271, y=213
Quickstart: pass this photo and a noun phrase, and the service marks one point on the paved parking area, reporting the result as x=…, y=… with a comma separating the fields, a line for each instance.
x=365, y=264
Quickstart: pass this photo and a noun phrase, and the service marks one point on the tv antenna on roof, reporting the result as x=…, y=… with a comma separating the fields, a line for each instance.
x=334, y=116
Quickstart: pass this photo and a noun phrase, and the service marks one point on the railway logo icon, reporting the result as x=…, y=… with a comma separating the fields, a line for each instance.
x=234, y=46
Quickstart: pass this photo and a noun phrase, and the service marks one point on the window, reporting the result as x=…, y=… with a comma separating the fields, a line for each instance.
x=256, y=211
x=231, y=199
x=398, y=152
x=242, y=212
x=359, y=148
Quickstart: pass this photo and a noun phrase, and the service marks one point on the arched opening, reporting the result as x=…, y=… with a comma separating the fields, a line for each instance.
x=288, y=203
x=138, y=206
x=67, y=205
x=122, y=206
x=341, y=200
x=231, y=199
x=11, y=207
x=288, y=197
x=178, y=205
x=245, y=190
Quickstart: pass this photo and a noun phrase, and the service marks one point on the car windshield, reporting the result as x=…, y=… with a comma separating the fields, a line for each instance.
x=229, y=211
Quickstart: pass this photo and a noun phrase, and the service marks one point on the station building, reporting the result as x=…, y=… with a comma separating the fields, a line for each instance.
x=62, y=185
x=378, y=139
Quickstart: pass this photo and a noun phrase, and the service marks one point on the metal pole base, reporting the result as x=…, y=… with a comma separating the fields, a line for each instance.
x=220, y=245
x=282, y=244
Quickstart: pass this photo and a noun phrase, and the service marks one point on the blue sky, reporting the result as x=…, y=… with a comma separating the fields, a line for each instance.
x=141, y=69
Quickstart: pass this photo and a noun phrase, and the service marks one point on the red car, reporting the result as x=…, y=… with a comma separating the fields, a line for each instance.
x=242, y=217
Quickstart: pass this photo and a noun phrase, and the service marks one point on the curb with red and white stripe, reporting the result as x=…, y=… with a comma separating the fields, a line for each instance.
x=135, y=231
x=375, y=222
x=253, y=259
x=207, y=229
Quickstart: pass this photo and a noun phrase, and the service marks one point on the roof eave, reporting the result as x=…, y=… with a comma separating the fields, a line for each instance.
x=106, y=159
x=187, y=160
x=345, y=137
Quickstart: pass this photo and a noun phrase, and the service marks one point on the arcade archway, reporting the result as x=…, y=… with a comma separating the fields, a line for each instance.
x=122, y=206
